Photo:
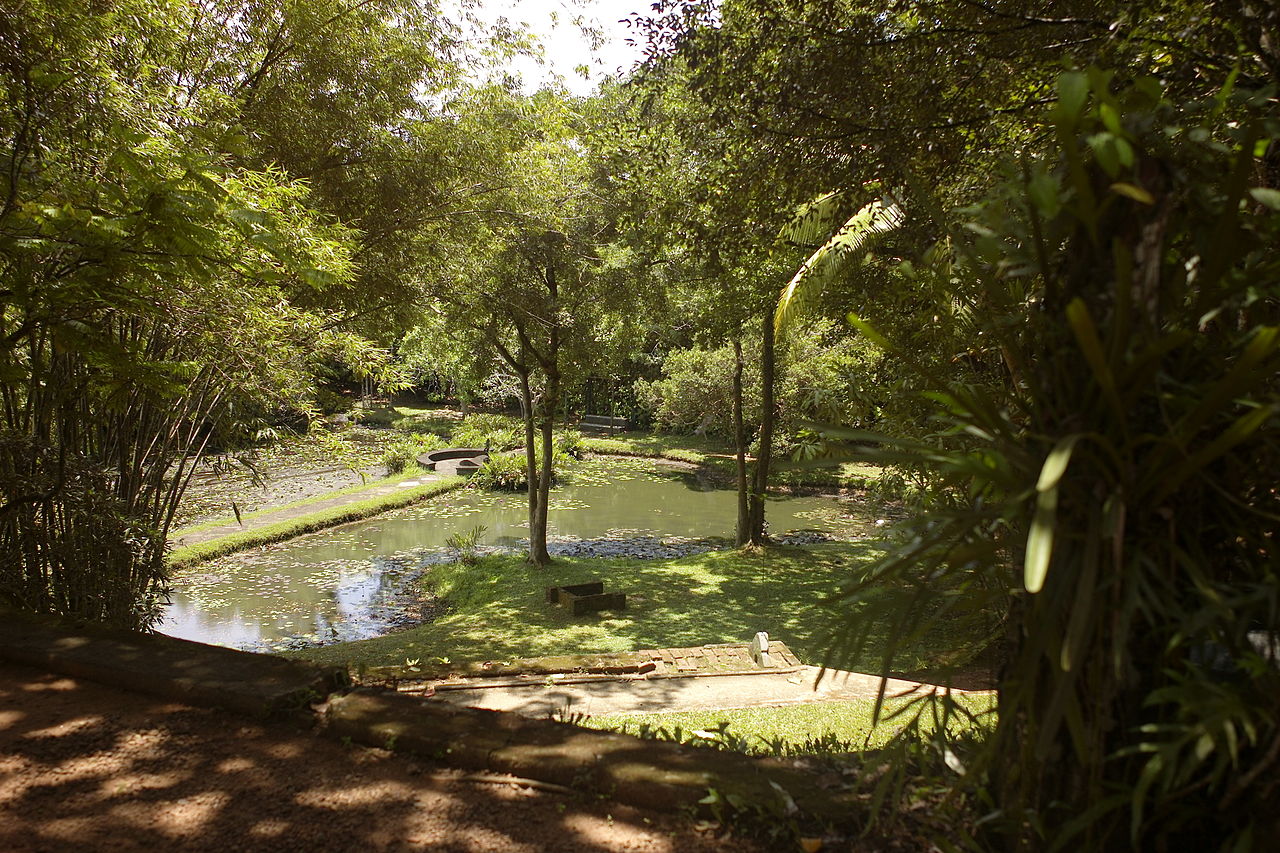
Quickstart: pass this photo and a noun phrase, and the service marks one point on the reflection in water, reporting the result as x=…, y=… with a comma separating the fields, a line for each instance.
x=358, y=580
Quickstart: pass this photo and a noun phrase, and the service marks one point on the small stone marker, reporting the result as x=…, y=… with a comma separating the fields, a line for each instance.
x=760, y=649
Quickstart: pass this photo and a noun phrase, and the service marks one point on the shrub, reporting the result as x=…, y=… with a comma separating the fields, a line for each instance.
x=569, y=443
x=377, y=418
x=404, y=452
x=504, y=472
x=497, y=432
x=508, y=471
x=465, y=544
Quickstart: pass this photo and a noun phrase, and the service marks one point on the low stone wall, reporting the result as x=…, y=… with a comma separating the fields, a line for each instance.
x=454, y=460
x=257, y=685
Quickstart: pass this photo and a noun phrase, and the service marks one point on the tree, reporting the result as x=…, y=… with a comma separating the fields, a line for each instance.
x=149, y=286
x=1109, y=500
x=526, y=265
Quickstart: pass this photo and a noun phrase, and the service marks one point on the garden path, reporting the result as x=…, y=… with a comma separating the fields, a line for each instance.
x=88, y=767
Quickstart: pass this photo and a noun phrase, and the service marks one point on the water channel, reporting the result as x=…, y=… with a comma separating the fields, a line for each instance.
x=360, y=580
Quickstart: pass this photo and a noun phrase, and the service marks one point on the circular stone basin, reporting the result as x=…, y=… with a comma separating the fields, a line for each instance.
x=454, y=460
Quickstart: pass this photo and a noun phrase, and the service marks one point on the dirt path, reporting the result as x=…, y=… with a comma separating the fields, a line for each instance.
x=639, y=695
x=87, y=767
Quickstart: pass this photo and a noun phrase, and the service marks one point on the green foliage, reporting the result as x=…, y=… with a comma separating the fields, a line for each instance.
x=403, y=454
x=147, y=279
x=841, y=246
x=496, y=432
x=568, y=443
x=1108, y=499
x=509, y=472
x=823, y=379
x=506, y=472
x=465, y=544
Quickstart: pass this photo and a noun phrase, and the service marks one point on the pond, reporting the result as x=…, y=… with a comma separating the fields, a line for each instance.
x=360, y=580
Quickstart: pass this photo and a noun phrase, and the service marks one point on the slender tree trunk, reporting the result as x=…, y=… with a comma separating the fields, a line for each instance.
x=740, y=446
x=550, y=363
x=538, y=533
x=765, y=457
x=531, y=465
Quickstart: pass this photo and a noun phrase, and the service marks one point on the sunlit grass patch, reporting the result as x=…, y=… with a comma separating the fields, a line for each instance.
x=499, y=611
x=181, y=558
x=816, y=727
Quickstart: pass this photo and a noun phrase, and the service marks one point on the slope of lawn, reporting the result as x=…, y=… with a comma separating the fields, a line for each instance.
x=499, y=611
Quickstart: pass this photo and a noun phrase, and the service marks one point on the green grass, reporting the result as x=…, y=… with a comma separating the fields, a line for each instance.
x=181, y=558
x=314, y=499
x=499, y=609
x=696, y=449
x=785, y=730
x=719, y=456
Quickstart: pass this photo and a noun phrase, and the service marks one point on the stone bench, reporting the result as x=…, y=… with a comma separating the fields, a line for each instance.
x=603, y=423
x=584, y=598
x=458, y=460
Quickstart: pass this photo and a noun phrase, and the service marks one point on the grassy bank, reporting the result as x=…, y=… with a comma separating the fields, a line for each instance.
x=307, y=522
x=499, y=610
x=719, y=457
x=790, y=729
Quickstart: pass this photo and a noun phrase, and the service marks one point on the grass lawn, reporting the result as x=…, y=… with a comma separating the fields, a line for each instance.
x=307, y=522
x=788, y=729
x=719, y=456
x=499, y=608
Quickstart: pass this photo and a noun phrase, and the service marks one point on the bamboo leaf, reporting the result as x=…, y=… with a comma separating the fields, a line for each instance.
x=1133, y=191
x=1040, y=541
x=1055, y=464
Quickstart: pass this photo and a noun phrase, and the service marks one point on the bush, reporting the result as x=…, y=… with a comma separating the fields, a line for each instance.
x=377, y=418
x=504, y=472
x=497, y=432
x=569, y=443
x=466, y=544
x=508, y=471
x=404, y=453
x=331, y=402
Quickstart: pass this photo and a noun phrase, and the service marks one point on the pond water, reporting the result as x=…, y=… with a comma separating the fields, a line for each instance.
x=359, y=580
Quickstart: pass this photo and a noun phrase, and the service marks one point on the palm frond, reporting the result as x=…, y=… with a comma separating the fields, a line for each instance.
x=849, y=242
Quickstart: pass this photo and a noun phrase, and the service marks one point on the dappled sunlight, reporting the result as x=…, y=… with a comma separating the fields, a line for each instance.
x=714, y=597
x=113, y=770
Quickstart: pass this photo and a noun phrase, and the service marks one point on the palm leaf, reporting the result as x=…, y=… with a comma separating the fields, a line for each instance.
x=849, y=242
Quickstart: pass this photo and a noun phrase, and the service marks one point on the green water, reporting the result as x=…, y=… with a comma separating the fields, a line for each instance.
x=356, y=580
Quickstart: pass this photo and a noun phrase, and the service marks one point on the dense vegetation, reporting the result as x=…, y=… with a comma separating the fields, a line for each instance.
x=1025, y=252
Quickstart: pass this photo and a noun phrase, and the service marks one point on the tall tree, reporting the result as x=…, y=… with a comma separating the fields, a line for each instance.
x=144, y=298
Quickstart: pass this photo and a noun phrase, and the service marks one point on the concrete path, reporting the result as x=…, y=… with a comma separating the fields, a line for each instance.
x=269, y=517
x=641, y=695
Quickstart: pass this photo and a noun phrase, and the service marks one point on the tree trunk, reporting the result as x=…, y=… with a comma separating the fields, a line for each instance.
x=740, y=446
x=531, y=468
x=551, y=369
x=538, y=530
x=756, y=520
